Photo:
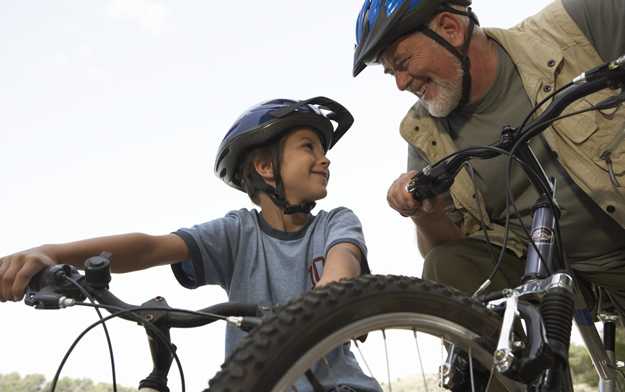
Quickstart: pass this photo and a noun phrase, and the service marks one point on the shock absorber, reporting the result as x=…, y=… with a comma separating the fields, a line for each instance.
x=557, y=310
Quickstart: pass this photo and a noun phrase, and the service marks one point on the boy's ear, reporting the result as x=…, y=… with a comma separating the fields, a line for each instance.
x=264, y=168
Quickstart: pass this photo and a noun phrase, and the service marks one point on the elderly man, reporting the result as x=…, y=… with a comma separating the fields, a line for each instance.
x=471, y=82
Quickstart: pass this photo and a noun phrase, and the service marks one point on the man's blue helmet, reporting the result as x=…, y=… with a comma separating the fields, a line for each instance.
x=268, y=121
x=382, y=22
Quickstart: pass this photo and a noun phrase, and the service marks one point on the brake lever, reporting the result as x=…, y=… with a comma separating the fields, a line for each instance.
x=49, y=288
x=430, y=182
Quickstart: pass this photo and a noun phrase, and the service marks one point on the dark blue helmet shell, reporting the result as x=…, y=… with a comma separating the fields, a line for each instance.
x=270, y=120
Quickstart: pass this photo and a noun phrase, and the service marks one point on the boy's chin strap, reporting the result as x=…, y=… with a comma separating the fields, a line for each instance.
x=298, y=208
x=277, y=194
x=278, y=198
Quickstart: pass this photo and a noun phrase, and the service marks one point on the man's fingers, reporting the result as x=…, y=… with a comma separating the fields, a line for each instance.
x=399, y=198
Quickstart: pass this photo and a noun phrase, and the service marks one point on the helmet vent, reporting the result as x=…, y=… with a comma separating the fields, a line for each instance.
x=222, y=173
x=222, y=155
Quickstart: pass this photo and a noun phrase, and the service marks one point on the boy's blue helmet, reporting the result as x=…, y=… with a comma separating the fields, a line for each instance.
x=267, y=122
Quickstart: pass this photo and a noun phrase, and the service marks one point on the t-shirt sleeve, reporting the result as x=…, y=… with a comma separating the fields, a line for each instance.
x=344, y=226
x=212, y=246
x=416, y=159
x=602, y=23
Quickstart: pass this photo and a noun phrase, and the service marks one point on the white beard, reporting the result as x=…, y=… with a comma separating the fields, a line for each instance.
x=448, y=94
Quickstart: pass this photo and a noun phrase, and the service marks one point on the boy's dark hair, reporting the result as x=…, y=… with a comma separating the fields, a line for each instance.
x=249, y=177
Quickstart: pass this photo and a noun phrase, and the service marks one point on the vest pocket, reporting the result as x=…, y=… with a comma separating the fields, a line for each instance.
x=592, y=133
x=577, y=128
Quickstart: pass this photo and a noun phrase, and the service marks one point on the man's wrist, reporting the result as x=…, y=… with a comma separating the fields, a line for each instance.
x=423, y=218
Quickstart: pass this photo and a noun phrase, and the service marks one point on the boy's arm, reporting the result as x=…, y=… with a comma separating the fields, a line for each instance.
x=130, y=252
x=342, y=261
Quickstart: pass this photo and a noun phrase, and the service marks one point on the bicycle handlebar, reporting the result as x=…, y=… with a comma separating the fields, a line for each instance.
x=438, y=178
x=51, y=289
x=62, y=285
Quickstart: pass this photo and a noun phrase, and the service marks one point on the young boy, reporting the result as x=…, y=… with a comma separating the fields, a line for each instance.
x=276, y=152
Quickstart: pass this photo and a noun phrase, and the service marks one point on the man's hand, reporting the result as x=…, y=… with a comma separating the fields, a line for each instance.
x=17, y=269
x=402, y=201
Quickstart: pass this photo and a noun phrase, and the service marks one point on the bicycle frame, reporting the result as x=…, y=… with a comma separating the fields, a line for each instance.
x=541, y=260
x=536, y=282
x=544, y=364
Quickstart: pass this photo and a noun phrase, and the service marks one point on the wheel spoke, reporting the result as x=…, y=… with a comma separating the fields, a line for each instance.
x=471, y=371
x=388, y=364
x=330, y=373
x=490, y=378
x=441, y=368
x=313, y=380
x=362, y=356
x=425, y=383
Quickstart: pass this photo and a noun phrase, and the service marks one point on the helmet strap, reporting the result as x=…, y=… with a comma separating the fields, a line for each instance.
x=277, y=194
x=462, y=55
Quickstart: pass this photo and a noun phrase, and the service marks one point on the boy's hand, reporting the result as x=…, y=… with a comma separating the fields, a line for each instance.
x=402, y=201
x=17, y=269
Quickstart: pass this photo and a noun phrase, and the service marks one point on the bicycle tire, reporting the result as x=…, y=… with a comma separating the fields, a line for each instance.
x=288, y=341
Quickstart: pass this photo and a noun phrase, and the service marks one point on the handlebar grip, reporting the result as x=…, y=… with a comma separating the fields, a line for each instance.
x=424, y=185
x=48, y=287
x=419, y=190
x=51, y=276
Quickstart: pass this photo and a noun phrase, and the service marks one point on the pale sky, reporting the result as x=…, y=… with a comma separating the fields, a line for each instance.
x=111, y=113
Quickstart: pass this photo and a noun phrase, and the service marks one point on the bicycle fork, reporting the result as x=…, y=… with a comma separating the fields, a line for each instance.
x=548, y=330
x=602, y=353
x=544, y=364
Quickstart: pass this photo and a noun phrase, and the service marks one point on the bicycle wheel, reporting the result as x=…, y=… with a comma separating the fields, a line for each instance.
x=430, y=319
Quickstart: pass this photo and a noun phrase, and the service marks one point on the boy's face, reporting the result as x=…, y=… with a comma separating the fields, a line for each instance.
x=304, y=167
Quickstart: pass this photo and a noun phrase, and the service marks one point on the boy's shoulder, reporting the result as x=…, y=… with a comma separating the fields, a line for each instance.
x=243, y=216
x=336, y=213
x=243, y=213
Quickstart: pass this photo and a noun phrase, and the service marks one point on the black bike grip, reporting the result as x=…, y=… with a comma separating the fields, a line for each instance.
x=420, y=186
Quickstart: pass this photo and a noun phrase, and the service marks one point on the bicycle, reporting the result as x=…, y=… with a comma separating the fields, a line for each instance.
x=61, y=286
x=516, y=339
x=479, y=334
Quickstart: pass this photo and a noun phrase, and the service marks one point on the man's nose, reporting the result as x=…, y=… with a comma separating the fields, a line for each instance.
x=402, y=79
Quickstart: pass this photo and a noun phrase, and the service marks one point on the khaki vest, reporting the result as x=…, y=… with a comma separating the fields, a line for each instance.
x=549, y=50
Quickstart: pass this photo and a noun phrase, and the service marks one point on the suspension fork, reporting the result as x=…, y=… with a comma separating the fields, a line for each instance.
x=557, y=306
x=601, y=352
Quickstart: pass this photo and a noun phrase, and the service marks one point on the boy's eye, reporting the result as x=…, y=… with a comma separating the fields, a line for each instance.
x=309, y=146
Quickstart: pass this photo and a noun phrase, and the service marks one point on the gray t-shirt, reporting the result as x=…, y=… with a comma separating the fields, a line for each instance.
x=602, y=23
x=257, y=264
x=507, y=103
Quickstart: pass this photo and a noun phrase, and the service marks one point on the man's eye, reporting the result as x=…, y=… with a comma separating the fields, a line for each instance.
x=402, y=65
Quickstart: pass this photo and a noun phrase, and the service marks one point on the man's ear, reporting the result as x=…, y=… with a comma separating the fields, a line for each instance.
x=264, y=168
x=450, y=27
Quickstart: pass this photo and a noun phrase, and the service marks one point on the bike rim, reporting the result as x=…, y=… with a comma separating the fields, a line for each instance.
x=421, y=324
